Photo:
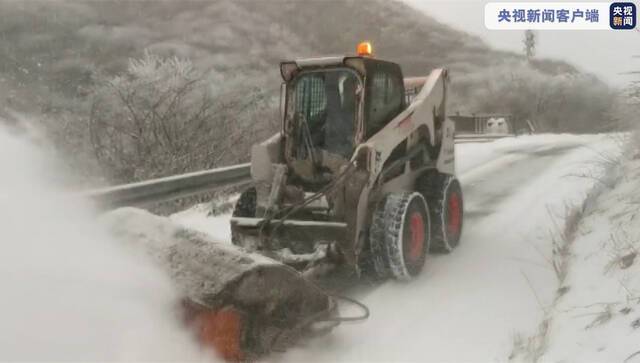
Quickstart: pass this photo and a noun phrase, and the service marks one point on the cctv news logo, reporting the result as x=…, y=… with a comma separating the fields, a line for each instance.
x=560, y=15
x=622, y=15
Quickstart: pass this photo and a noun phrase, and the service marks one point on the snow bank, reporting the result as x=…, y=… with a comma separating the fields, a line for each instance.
x=598, y=317
x=69, y=291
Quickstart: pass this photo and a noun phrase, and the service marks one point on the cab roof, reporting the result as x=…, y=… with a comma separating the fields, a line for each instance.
x=288, y=69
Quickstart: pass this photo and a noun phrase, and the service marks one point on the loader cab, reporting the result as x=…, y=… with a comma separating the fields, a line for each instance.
x=333, y=104
x=324, y=108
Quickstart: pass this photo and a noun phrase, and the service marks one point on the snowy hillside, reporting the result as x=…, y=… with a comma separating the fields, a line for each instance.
x=60, y=59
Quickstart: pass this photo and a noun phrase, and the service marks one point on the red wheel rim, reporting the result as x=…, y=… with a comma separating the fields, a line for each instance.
x=454, y=215
x=417, y=231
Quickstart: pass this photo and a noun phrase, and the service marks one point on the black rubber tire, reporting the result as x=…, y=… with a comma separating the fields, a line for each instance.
x=394, y=249
x=374, y=264
x=245, y=207
x=439, y=190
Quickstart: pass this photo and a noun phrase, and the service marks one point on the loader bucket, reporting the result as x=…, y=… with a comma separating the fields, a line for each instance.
x=241, y=304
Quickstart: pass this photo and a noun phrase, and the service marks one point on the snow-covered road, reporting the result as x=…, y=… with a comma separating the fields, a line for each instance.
x=472, y=304
x=475, y=303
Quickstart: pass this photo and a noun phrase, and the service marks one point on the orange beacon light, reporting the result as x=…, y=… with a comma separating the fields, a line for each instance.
x=364, y=49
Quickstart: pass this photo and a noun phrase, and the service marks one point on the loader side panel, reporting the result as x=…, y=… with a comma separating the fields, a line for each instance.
x=447, y=157
x=426, y=110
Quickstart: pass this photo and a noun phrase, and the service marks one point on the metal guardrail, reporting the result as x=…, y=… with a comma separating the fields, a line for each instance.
x=170, y=188
x=184, y=185
x=464, y=138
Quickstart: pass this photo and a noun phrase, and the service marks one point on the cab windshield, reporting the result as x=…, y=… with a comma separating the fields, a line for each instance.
x=325, y=109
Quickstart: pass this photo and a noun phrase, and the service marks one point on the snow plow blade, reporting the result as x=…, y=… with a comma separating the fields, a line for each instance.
x=243, y=305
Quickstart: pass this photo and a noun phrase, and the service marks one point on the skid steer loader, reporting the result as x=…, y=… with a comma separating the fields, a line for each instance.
x=361, y=175
x=361, y=178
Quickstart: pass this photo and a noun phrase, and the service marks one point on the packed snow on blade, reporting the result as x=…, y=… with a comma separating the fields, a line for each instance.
x=242, y=304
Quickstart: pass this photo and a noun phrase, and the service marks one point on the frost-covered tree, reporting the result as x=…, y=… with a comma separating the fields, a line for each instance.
x=159, y=118
x=628, y=105
x=567, y=102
